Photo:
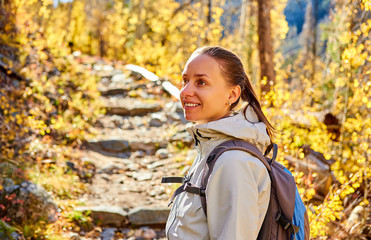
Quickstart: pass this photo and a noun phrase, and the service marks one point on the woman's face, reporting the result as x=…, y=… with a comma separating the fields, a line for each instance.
x=205, y=94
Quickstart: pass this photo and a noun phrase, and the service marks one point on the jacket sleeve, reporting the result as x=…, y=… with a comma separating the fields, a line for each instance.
x=237, y=196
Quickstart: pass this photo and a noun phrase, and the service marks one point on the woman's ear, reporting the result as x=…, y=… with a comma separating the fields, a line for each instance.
x=234, y=94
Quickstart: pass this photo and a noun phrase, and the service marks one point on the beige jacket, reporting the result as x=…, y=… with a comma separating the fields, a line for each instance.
x=238, y=190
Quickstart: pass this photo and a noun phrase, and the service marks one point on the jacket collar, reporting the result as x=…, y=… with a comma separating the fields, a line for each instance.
x=235, y=126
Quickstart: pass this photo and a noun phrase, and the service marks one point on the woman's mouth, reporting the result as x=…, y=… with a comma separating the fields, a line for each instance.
x=191, y=105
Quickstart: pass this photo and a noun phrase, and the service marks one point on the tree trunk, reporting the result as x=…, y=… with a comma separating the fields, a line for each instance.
x=141, y=19
x=243, y=20
x=208, y=20
x=201, y=17
x=265, y=46
x=314, y=43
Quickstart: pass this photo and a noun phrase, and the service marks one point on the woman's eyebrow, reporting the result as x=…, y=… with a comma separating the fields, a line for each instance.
x=201, y=75
x=198, y=75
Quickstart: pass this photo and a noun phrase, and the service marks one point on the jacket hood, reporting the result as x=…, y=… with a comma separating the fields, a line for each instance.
x=235, y=126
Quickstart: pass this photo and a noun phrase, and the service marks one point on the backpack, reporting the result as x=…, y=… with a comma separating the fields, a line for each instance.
x=286, y=217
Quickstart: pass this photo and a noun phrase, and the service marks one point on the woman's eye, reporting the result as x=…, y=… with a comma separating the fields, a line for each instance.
x=201, y=82
x=184, y=82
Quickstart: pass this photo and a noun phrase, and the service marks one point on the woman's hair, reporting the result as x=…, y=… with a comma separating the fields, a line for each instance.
x=234, y=72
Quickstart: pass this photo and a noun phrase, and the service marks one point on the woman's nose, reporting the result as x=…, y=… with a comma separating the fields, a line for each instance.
x=187, y=90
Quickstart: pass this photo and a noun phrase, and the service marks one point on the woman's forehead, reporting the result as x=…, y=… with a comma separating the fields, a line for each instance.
x=201, y=64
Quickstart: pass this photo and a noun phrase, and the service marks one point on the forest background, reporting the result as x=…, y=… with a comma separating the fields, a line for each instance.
x=309, y=59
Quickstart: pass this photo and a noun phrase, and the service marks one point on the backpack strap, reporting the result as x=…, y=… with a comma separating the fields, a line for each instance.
x=185, y=187
x=228, y=146
x=173, y=179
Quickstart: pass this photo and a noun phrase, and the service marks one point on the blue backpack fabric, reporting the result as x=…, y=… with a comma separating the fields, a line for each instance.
x=299, y=215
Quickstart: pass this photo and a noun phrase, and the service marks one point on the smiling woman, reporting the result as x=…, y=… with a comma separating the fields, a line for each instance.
x=205, y=95
x=214, y=84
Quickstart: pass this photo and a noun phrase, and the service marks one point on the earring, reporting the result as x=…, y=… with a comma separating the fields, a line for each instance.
x=229, y=103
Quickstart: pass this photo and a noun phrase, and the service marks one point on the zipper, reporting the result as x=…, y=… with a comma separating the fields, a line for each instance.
x=176, y=205
x=189, y=176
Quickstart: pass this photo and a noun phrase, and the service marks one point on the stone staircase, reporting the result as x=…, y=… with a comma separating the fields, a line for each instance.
x=132, y=150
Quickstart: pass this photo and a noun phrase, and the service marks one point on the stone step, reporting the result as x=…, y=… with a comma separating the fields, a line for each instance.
x=142, y=138
x=115, y=216
x=112, y=216
x=124, y=147
x=130, y=107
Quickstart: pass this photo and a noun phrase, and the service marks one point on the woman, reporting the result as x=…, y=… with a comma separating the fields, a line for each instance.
x=238, y=191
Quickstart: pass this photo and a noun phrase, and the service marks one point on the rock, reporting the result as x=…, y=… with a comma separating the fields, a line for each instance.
x=145, y=216
x=174, y=111
x=155, y=122
x=174, y=107
x=145, y=233
x=121, y=78
x=155, y=165
x=130, y=107
x=106, y=215
x=9, y=186
x=28, y=203
x=113, y=90
x=108, y=234
x=107, y=68
x=117, y=120
x=114, y=145
x=157, y=119
x=149, y=233
x=148, y=146
x=183, y=137
x=142, y=176
x=162, y=153
x=73, y=236
x=110, y=169
x=9, y=233
x=138, y=154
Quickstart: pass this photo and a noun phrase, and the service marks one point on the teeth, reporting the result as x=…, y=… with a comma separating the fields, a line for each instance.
x=191, y=104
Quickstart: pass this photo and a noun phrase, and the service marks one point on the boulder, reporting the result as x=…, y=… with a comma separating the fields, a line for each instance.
x=28, y=202
x=147, y=216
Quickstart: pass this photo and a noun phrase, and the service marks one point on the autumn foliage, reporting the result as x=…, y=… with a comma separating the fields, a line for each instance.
x=46, y=96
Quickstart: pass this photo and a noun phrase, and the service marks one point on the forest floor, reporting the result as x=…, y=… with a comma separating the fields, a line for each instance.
x=133, y=146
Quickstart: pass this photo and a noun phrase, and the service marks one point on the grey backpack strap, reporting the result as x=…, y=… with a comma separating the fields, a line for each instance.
x=228, y=146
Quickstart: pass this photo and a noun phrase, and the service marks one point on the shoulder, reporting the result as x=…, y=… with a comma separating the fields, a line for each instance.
x=240, y=164
x=238, y=157
x=239, y=168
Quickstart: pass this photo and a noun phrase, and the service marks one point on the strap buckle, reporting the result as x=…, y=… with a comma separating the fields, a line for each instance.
x=286, y=224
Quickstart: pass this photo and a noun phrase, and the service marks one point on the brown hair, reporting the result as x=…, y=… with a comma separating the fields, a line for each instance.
x=233, y=70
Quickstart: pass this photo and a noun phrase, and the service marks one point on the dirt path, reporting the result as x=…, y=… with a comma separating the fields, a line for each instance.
x=131, y=152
